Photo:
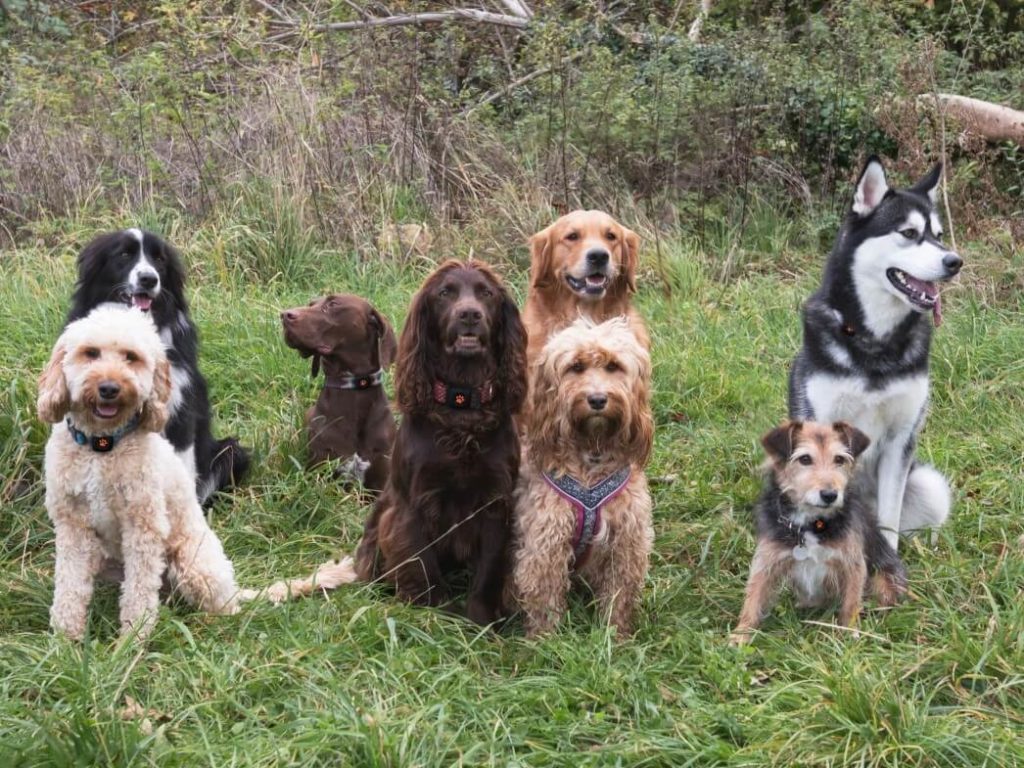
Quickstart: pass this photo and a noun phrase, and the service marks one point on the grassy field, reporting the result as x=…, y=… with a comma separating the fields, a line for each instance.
x=359, y=679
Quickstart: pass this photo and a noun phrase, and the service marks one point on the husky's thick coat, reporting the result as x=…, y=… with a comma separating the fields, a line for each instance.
x=866, y=343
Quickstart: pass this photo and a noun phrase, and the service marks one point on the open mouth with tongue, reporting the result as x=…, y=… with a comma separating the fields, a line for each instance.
x=106, y=410
x=142, y=301
x=921, y=294
x=593, y=284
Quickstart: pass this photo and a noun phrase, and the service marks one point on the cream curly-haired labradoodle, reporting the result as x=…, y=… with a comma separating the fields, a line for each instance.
x=582, y=503
x=114, y=488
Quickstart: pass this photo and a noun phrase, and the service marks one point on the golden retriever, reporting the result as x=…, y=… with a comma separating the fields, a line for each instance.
x=583, y=265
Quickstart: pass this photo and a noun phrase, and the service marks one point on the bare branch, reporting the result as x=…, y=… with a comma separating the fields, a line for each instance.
x=993, y=122
x=497, y=94
x=276, y=11
x=698, y=23
x=434, y=17
x=518, y=8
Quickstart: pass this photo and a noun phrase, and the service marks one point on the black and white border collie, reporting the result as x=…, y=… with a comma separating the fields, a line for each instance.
x=140, y=269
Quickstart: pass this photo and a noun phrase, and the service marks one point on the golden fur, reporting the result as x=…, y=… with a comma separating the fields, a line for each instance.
x=566, y=436
x=136, y=504
x=560, y=251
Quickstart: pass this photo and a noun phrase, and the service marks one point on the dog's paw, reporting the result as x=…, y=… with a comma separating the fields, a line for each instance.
x=736, y=639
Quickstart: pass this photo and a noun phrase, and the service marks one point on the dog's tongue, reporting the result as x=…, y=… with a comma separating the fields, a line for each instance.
x=931, y=291
x=142, y=301
x=106, y=410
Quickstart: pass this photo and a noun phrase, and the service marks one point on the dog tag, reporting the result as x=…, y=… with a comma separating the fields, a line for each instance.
x=800, y=552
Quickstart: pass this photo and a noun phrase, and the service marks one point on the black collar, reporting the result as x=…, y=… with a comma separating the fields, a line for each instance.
x=823, y=528
x=102, y=443
x=355, y=381
x=463, y=398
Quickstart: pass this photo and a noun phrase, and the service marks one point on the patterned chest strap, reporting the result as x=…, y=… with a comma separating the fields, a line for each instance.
x=588, y=503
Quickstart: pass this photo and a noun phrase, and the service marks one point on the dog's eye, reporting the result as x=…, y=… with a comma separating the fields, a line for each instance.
x=611, y=236
x=613, y=367
x=910, y=233
x=805, y=459
x=445, y=292
x=91, y=352
x=158, y=258
x=577, y=367
x=131, y=357
x=842, y=461
x=486, y=293
x=572, y=237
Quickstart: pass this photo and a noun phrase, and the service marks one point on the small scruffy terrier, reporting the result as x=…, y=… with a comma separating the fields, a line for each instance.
x=813, y=530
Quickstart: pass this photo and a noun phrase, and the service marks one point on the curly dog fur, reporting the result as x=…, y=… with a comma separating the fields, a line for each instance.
x=590, y=416
x=135, y=504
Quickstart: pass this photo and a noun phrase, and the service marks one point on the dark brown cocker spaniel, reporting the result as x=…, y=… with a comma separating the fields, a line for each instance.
x=460, y=378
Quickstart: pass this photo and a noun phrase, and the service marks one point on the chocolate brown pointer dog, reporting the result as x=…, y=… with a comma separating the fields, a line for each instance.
x=351, y=420
x=459, y=380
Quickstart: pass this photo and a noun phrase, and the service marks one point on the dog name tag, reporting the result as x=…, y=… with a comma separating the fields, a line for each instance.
x=800, y=552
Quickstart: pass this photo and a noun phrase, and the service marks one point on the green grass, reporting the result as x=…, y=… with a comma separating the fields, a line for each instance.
x=360, y=679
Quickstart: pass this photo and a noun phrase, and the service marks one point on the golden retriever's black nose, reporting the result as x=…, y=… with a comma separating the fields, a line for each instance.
x=952, y=263
x=597, y=257
x=828, y=496
x=597, y=402
x=108, y=390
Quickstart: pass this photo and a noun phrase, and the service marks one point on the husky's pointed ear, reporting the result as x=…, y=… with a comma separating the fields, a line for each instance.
x=871, y=187
x=929, y=183
x=779, y=442
x=855, y=440
x=54, y=398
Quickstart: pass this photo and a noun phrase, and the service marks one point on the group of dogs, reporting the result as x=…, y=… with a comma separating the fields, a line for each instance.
x=519, y=457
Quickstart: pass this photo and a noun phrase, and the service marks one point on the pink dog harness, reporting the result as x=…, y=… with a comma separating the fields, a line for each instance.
x=587, y=504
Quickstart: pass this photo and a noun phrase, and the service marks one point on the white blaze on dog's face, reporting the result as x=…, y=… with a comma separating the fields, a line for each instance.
x=900, y=256
x=586, y=254
x=591, y=386
x=112, y=366
x=813, y=462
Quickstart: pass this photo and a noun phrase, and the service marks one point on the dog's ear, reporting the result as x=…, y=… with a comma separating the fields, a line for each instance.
x=779, y=442
x=414, y=380
x=511, y=352
x=546, y=428
x=54, y=398
x=386, y=342
x=929, y=183
x=855, y=441
x=630, y=256
x=174, y=273
x=871, y=187
x=641, y=427
x=542, y=258
x=154, y=411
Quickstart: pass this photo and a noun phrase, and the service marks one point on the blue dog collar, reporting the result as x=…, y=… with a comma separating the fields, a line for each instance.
x=102, y=443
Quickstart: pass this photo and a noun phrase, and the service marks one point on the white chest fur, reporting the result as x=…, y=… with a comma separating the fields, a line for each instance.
x=811, y=568
x=891, y=410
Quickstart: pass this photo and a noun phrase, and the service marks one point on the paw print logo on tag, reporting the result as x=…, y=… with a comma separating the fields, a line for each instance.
x=460, y=400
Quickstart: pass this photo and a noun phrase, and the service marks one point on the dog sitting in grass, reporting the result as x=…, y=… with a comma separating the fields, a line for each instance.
x=813, y=530
x=351, y=419
x=115, y=490
x=583, y=508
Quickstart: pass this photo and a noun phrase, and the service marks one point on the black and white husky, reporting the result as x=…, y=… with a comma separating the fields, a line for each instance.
x=866, y=341
x=140, y=269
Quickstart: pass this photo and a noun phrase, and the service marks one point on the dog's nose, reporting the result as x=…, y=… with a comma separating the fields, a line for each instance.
x=952, y=263
x=148, y=281
x=289, y=315
x=470, y=315
x=597, y=402
x=108, y=390
x=597, y=257
x=829, y=496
